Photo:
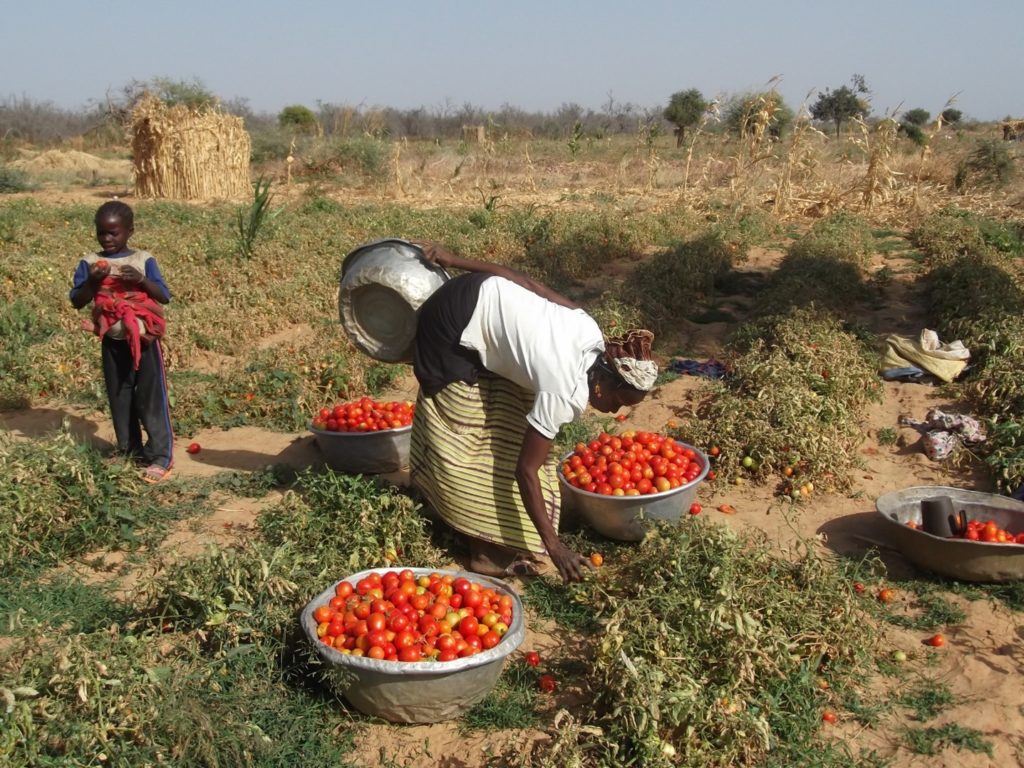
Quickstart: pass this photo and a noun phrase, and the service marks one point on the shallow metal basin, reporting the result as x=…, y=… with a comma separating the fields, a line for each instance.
x=625, y=517
x=419, y=691
x=954, y=557
x=365, y=453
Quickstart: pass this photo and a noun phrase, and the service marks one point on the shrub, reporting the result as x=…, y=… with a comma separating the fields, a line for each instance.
x=989, y=165
x=841, y=237
x=13, y=180
x=364, y=156
x=953, y=232
x=798, y=381
x=671, y=285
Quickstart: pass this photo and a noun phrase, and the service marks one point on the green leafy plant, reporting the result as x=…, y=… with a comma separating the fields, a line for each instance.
x=250, y=220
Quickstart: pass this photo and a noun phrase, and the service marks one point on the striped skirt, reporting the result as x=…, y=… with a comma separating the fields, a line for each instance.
x=464, y=447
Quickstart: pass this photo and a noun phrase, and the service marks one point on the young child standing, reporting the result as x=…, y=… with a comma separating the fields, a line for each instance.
x=128, y=293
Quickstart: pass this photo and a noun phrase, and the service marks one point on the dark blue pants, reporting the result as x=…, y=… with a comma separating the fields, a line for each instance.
x=138, y=401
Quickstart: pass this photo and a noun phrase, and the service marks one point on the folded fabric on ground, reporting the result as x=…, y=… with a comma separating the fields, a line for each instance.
x=709, y=369
x=946, y=361
x=944, y=432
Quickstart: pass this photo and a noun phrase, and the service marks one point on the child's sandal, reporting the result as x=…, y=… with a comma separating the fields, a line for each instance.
x=155, y=474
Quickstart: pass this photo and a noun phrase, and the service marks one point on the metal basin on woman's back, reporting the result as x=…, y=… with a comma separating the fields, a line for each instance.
x=383, y=285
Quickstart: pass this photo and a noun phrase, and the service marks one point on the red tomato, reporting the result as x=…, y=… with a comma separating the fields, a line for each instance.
x=490, y=639
x=695, y=508
x=533, y=658
x=829, y=716
x=323, y=614
x=410, y=653
x=547, y=683
x=936, y=641
x=193, y=448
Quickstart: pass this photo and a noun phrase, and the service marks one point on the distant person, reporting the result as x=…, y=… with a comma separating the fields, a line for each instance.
x=128, y=293
x=503, y=362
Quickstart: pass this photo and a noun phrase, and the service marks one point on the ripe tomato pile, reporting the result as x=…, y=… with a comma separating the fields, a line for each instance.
x=365, y=415
x=989, y=531
x=397, y=616
x=631, y=464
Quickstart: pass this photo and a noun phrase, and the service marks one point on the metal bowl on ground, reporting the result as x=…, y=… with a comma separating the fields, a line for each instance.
x=365, y=453
x=625, y=517
x=383, y=285
x=419, y=691
x=955, y=558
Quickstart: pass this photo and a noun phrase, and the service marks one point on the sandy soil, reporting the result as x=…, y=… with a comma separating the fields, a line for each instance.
x=982, y=662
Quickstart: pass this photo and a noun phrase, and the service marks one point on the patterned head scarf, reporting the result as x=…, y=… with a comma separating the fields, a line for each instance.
x=630, y=357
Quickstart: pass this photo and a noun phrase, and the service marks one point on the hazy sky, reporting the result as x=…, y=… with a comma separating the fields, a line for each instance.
x=531, y=54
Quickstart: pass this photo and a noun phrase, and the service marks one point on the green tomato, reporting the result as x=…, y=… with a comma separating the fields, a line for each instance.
x=748, y=462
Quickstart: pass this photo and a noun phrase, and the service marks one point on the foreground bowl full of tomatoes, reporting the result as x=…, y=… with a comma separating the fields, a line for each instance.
x=617, y=482
x=987, y=550
x=365, y=436
x=400, y=654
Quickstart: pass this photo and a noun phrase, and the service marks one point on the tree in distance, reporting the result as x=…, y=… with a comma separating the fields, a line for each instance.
x=685, y=109
x=299, y=118
x=745, y=112
x=842, y=104
x=952, y=116
x=918, y=117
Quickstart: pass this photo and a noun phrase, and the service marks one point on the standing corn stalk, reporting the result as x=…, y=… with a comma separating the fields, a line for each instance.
x=800, y=159
x=711, y=113
x=878, y=144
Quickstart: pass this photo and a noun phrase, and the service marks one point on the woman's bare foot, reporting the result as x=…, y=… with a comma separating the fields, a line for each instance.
x=495, y=560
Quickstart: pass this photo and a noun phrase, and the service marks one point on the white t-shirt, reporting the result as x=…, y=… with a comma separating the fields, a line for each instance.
x=539, y=345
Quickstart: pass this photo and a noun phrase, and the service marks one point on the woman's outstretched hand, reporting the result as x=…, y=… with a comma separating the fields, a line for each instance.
x=570, y=566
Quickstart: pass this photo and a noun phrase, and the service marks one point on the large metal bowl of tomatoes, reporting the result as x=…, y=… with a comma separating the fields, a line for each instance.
x=619, y=482
x=413, y=645
x=365, y=436
x=990, y=548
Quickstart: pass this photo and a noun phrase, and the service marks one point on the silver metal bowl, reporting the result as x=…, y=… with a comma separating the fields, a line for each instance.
x=365, y=453
x=625, y=517
x=419, y=691
x=954, y=557
x=383, y=285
